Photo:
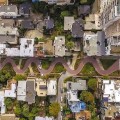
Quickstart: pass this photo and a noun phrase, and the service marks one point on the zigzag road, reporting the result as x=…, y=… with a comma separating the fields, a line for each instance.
x=86, y=60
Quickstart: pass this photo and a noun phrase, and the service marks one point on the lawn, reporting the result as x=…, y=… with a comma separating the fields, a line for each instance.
x=23, y=63
x=107, y=62
x=77, y=64
x=45, y=64
x=16, y=60
x=89, y=70
x=58, y=68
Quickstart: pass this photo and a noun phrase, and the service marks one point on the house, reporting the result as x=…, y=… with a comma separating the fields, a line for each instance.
x=8, y=11
x=30, y=91
x=59, y=46
x=84, y=10
x=12, y=91
x=110, y=97
x=77, y=107
x=2, y=104
x=49, y=23
x=77, y=28
x=51, y=87
x=26, y=47
x=83, y=115
x=21, y=91
x=25, y=9
x=41, y=87
x=94, y=43
x=79, y=85
x=68, y=21
x=8, y=117
x=27, y=24
x=44, y=118
x=92, y=22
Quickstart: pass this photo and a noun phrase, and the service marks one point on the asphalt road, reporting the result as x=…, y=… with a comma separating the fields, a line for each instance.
x=60, y=86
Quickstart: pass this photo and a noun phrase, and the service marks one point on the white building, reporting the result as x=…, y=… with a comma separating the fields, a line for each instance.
x=59, y=46
x=11, y=92
x=51, y=87
x=21, y=91
x=2, y=105
x=44, y=118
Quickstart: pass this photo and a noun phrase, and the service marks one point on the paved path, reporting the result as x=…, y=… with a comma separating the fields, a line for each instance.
x=86, y=60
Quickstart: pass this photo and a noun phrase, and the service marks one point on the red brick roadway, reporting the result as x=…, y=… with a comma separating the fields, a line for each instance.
x=86, y=60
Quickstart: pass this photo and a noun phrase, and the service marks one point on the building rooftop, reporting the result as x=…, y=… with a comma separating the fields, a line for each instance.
x=59, y=46
x=2, y=105
x=24, y=8
x=8, y=117
x=8, y=10
x=94, y=43
x=30, y=89
x=78, y=106
x=51, y=87
x=72, y=96
x=41, y=87
x=27, y=24
x=43, y=118
x=49, y=23
x=7, y=23
x=79, y=85
x=68, y=21
x=83, y=10
x=3, y=2
x=77, y=28
x=21, y=90
x=11, y=92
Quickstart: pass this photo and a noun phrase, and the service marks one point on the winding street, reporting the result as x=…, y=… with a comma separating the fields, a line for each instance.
x=96, y=64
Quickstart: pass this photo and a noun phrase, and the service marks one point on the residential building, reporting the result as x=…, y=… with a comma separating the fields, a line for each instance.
x=94, y=43
x=3, y=2
x=77, y=28
x=84, y=10
x=68, y=22
x=8, y=11
x=2, y=104
x=41, y=87
x=8, y=117
x=59, y=46
x=25, y=9
x=49, y=23
x=92, y=22
x=110, y=12
x=11, y=92
x=21, y=90
x=43, y=118
x=79, y=85
x=30, y=89
x=83, y=115
x=51, y=87
x=111, y=98
x=27, y=24
x=57, y=2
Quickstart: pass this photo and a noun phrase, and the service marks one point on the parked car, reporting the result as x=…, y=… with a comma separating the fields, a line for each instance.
x=61, y=108
x=61, y=99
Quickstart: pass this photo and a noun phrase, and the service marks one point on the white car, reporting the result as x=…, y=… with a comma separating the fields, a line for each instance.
x=61, y=99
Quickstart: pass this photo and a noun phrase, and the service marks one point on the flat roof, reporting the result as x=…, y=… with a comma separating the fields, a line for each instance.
x=51, y=87
x=59, y=44
x=2, y=104
x=30, y=89
x=21, y=90
x=12, y=92
x=68, y=21
x=79, y=85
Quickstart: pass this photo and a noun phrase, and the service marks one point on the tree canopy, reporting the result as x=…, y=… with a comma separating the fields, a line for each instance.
x=19, y=77
x=70, y=45
x=54, y=109
x=92, y=84
x=87, y=97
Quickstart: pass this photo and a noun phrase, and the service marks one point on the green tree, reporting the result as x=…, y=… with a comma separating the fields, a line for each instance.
x=18, y=109
x=22, y=119
x=54, y=109
x=87, y=97
x=92, y=84
x=9, y=103
x=19, y=77
x=25, y=110
x=70, y=45
x=64, y=13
